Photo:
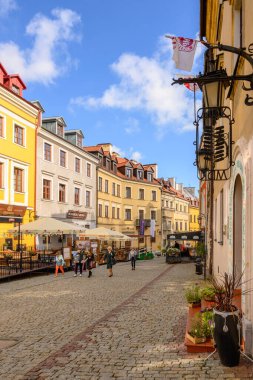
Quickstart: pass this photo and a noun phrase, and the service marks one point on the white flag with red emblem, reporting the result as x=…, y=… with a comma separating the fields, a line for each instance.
x=184, y=51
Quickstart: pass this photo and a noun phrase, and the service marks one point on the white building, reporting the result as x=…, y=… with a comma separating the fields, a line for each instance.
x=66, y=176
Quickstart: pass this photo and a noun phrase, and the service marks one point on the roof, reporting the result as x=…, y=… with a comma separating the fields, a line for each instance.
x=54, y=118
x=18, y=77
x=72, y=131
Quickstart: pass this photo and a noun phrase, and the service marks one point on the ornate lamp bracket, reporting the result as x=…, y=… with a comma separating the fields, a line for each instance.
x=202, y=79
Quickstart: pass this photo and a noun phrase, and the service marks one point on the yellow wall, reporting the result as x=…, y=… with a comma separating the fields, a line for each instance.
x=194, y=214
x=134, y=203
x=17, y=110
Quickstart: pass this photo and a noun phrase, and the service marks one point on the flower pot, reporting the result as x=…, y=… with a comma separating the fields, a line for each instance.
x=226, y=337
x=194, y=304
x=195, y=339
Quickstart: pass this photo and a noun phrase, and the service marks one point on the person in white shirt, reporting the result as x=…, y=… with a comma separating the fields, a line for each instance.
x=132, y=256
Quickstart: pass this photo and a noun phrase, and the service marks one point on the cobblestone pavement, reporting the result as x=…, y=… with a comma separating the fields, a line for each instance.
x=130, y=326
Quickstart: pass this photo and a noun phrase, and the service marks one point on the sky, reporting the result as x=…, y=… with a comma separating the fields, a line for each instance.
x=106, y=68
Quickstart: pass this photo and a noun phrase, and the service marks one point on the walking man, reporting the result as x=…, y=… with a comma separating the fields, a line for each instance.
x=133, y=255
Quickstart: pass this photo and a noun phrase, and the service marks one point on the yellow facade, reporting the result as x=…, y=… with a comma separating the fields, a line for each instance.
x=15, y=111
x=193, y=218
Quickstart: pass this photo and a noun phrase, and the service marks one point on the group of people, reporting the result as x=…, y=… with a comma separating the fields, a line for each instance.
x=84, y=260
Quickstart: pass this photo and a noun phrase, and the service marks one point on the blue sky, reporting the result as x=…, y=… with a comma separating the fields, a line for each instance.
x=105, y=66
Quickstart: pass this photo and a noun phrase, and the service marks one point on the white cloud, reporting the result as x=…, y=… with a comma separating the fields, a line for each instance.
x=133, y=126
x=145, y=85
x=136, y=156
x=6, y=6
x=118, y=150
x=48, y=57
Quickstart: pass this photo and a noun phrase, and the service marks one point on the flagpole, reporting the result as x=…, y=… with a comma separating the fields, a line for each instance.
x=201, y=41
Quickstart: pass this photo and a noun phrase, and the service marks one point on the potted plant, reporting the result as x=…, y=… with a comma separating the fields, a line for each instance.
x=207, y=296
x=173, y=255
x=226, y=319
x=196, y=334
x=207, y=322
x=193, y=296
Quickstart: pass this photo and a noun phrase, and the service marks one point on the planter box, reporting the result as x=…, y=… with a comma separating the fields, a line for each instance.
x=194, y=339
x=194, y=304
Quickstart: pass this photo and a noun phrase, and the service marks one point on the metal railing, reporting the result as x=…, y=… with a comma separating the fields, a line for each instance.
x=17, y=263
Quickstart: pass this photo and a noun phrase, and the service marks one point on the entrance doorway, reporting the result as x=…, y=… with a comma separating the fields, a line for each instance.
x=237, y=230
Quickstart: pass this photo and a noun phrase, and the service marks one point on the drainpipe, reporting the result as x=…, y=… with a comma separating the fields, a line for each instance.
x=35, y=169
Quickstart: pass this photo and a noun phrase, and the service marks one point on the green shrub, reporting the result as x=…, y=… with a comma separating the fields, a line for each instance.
x=192, y=294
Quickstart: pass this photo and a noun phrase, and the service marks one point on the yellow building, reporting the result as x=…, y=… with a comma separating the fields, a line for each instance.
x=18, y=122
x=129, y=197
x=229, y=202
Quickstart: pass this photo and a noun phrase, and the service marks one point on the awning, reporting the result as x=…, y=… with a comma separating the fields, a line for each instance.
x=191, y=235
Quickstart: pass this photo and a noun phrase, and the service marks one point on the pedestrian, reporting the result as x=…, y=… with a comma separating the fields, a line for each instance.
x=78, y=262
x=109, y=257
x=59, y=262
x=89, y=262
x=132, y=256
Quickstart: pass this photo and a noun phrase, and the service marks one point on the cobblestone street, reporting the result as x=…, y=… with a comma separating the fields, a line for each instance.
x=130, y=326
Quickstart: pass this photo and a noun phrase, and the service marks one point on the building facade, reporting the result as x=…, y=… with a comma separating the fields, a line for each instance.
x=194, y=221
x=19, y=120
x=66, y=180
x=129, y=197
x=230, y=202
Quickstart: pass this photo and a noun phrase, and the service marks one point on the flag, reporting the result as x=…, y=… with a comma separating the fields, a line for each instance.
x=152, y=227
x=192, y=86
x=184, y=51
x=142, y=227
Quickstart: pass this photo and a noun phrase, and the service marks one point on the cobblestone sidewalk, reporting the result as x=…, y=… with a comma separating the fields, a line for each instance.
x=128, y=327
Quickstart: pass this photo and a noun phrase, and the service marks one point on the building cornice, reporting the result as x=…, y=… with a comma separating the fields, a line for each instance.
x=18, y=101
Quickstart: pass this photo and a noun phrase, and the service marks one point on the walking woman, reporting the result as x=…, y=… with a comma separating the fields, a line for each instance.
x=59, y=262
x=109, y=257
x=78, y=262
x=89, y=263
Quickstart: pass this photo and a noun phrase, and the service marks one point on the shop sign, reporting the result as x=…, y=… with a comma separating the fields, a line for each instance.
x=12, y=211
x=73, y=214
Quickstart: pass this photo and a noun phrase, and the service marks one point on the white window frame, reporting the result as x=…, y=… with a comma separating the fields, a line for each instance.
x=76, y=157
x=4, y=127
x=88, y=163
x=52, y=151
x=66, y=192
x=24, y=135
x=13, y=165
x=51, y=192
x=63, y=150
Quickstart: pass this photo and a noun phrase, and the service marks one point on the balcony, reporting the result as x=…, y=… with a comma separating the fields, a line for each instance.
x=146, y=222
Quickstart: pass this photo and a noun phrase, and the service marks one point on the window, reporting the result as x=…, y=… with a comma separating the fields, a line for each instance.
x=190, y=218
x=171, y=204
x=63, y=158
x=176, y=206
x=128, y=172
x=113, y=212
x=100, y=210
x=185, y=227
x=46, y=189
x=140, y=174
x=100, y=184
x=79, y=140
x=106, y=186
x=77, y=196
x=141, y=193
x=118, y=212
x=167, y=204
x=19, y=135
x=18, y=180
x=15, y=89
x=88, y=170
x=153, y=214
x=114, y=188
x=194, y=218
x=141, y=214
x=1, y=175
x=184, y=208
x=118, y=190
x=128, y=192
x=153, y=195
x=127, y=214
x=107, y=164
x=106, y=211
x=1, y=126
x=60, y=130
x=176, y=226
x=169, y=225
x=149, y=177
x=88, y=199
x=77, y=165
x=181, y=226
x=47, y=152
x=180, y=207
x=62, y=192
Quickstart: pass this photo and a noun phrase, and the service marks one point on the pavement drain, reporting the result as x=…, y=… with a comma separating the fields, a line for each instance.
x=6, y=343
